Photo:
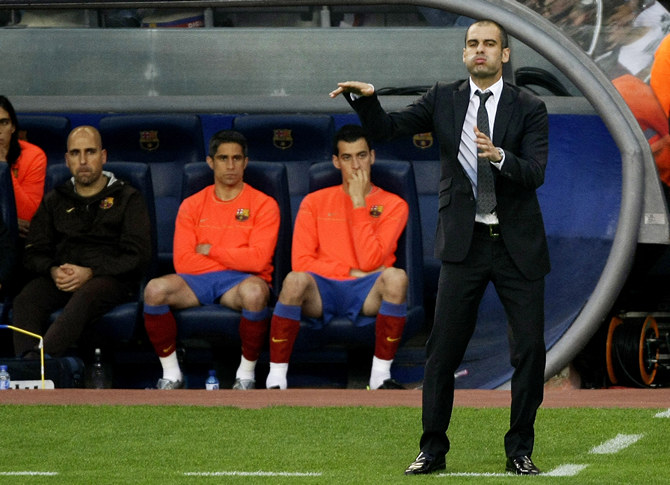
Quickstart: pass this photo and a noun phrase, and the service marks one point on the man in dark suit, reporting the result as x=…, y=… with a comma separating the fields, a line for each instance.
x=503, y=242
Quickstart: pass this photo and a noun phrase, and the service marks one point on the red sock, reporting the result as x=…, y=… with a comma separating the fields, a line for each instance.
x=162, y=331
x=388, y=332
x=252, y=334
x=283, y=332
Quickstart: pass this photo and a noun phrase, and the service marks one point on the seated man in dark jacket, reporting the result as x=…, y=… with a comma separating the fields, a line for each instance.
x=89, y=243
x=7, y=254
x=7, y=260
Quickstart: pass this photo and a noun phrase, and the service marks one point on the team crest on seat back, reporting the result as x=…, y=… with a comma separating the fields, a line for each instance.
x=149, y=140
x=282, y=138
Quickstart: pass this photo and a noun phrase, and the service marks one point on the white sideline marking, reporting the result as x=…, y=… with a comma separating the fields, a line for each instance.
x=252, y=474
x=663, y=414
x=560, y=471
x=16, y=474
x=464, y=474
x=617, y=444
x=565, y=471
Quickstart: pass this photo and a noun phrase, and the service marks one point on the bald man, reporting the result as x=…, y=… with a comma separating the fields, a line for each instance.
x=88, y=245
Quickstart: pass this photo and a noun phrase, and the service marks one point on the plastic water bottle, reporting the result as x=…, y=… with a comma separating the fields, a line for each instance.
x=5, y=382
x=98, y=372
x=212, y=383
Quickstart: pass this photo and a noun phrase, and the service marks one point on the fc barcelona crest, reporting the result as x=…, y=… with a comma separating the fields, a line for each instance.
x=107, y=203
x=149, y=140
x=282, y=138
x=242, y=215
x=376, y=210
x=423, y=140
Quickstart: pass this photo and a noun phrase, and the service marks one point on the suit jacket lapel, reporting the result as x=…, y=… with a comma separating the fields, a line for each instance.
x=461, y=101
x=503, y=114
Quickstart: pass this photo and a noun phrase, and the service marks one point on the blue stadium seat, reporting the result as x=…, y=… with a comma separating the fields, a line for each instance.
x=47, y=132
x=396, y=177
x=421, y=146
x=285, y=138
x=120, y=323
x=297, y=140
x=217, y=320
x=298, y=182
x=166, y=142
x=423, y=151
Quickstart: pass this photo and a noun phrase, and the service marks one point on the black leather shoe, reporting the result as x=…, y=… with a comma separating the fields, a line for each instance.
x=522, y=465
x=426, y=463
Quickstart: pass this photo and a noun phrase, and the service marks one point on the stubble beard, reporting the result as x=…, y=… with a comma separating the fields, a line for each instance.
x=87, y=179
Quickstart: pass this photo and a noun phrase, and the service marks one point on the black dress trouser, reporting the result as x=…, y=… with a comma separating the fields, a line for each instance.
x=460, y=290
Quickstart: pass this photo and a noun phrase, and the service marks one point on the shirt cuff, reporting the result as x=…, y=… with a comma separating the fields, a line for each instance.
x=354, y=97
x=499, y=163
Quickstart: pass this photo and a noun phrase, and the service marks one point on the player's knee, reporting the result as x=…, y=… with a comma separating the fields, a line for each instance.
x=255, y=294
x=154, y=292
x=395, y=283
x=294, y=286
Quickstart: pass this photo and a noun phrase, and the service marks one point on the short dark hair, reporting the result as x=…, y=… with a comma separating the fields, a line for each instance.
x=504, y=40
x=350, y=134
x=227, y=136
x=14, y=147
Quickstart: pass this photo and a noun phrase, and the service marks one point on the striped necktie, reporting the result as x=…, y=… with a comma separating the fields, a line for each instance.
x=486, y=194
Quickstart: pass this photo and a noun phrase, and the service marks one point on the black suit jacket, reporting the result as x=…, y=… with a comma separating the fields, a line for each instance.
x=521, y=130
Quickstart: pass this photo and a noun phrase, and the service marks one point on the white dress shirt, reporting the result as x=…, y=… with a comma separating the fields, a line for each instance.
x=467, y=150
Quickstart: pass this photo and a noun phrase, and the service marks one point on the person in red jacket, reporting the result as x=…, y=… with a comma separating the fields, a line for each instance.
x=224, y=241
x=28, y=165
x=344, y=243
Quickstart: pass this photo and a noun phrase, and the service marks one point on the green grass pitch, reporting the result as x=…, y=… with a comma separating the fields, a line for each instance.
x=285, y=445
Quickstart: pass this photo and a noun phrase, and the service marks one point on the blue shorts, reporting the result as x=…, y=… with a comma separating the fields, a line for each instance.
x=210, y=287
x=344, y=298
